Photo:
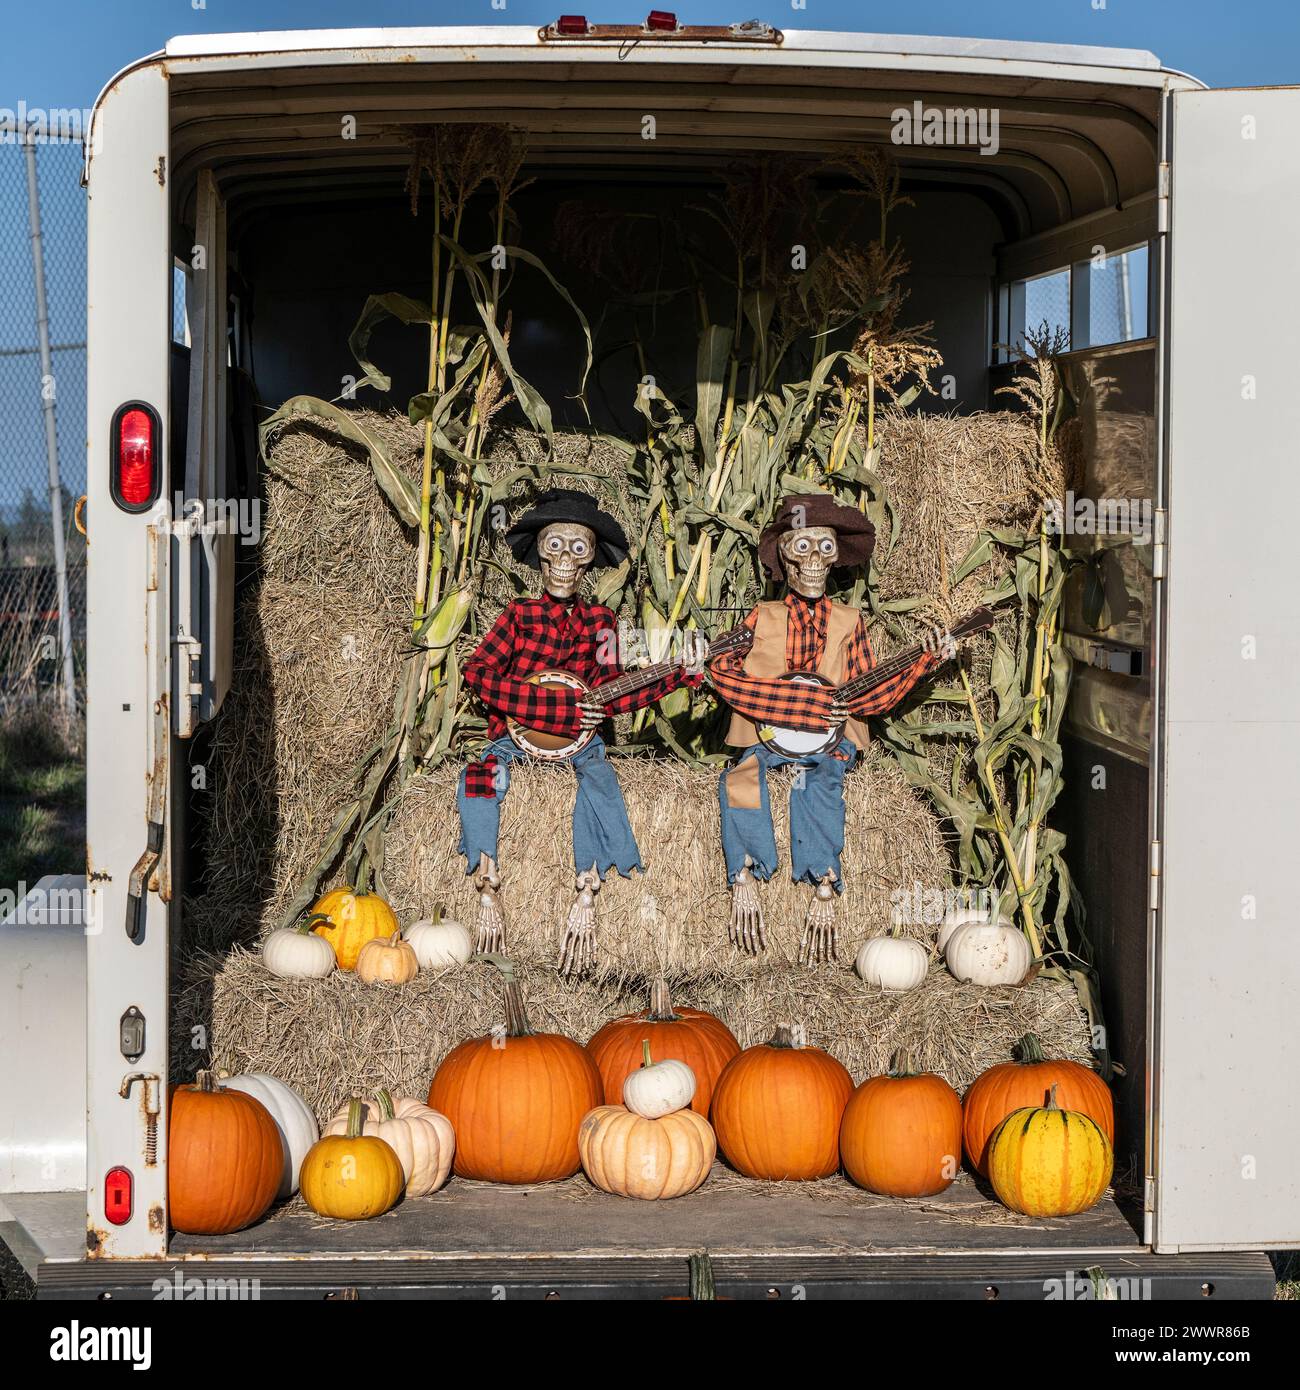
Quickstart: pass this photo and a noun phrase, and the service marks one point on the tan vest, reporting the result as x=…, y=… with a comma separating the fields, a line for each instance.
x=767, y=658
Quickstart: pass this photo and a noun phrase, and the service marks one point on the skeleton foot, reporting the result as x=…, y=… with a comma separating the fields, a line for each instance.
x=578, y=949
x=819, y=931
x=491, y=920
x=746, y=927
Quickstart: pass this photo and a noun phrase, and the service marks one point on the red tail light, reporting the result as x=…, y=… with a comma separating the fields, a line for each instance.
x=571, y=24
x=117, y=1196
x=664, y=21
x=136, y=465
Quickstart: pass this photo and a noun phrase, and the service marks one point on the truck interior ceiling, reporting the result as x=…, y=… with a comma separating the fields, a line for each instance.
x=1044, y=214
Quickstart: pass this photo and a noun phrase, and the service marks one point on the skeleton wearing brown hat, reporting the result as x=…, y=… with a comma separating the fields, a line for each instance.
x=806, y=632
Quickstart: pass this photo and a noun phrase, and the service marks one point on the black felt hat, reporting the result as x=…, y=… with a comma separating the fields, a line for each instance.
x=564, y=504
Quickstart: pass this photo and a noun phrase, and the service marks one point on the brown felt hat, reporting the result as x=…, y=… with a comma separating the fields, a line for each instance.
x=857, y=536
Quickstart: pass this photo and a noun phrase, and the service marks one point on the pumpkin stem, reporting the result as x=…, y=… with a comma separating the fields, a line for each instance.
x=703, y=1289
x=309, y=925
x=1051, y=1098
x=1030, y=1049
x=206, y=1081
x=384, y=1100
x=901, y=1064
x=396, y=937
x=645, y=1053
x=661, y=1005
x=783, y=1037
x=354, y=1118
x=517, y=1025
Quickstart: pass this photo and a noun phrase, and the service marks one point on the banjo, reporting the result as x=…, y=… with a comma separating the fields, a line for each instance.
x=559, y=747
x=802, y=743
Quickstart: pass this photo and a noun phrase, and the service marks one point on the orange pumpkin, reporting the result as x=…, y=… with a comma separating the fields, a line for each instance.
x=901, y=1134
x=225, y=1158
x=692, y=1036
x=348, y=918
x=777, y=1109
x=1025, y=1083
x=516, y=1100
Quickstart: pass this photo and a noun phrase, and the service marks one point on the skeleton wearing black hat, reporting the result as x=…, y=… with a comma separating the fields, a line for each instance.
x=564, y=536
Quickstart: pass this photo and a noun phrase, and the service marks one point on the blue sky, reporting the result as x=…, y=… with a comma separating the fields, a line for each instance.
x=60, y=54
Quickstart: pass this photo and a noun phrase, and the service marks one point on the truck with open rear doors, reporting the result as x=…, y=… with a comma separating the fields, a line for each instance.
x=232, y=143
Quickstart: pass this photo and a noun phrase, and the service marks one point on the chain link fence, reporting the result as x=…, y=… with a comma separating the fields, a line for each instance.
x=32, y=659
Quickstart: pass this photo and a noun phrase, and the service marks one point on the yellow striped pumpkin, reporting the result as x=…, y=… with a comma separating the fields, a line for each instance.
x=1045, y=1161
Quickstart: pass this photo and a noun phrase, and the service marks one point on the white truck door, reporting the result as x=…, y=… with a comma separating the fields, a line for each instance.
x=204, y=573
x=1226, y=1035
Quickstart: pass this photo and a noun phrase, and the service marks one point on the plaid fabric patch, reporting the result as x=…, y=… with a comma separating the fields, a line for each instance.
x=481, y=778
x=542, y=634
x=793, y=706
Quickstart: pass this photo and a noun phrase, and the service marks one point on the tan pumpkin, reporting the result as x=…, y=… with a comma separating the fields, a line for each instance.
x=348, y=918
x=421, y=1138
x=632, y=1156
x=388, y=961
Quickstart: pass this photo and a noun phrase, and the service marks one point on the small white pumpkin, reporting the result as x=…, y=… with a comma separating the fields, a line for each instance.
x=989, y=953
x=657, y=1089
x=292, y=1116
x=439, y=944
x=422, y=1139
x=894, y=963
x=958, y=917
x=296, y=953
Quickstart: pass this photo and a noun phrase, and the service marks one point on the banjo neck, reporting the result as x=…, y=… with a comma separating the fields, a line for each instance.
x=642, y=676
x=976, y=620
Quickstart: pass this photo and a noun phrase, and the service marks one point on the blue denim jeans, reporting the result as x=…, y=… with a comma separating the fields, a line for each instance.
x=816, y=817
x=601, y=833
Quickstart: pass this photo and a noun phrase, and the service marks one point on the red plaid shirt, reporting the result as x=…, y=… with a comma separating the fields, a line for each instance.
x=542, y=634
x=794, y=706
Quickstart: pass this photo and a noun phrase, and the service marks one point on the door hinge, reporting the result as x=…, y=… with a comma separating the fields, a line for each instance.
x=1164, y=182
x=1149, y=1194
x=1160, y=522
x=1153, y=891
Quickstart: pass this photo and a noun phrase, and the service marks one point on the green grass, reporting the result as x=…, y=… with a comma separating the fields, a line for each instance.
x=42, y=795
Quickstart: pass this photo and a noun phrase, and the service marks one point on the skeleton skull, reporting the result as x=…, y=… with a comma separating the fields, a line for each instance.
x=565, y=551
x=808, y=554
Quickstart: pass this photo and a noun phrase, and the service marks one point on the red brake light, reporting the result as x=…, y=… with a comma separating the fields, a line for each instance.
x=135, y=457
x=117, y=1196
x=662, y=20
x=571, y=24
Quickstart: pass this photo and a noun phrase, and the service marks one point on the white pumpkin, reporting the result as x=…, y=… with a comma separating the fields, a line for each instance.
x=292, y=1116
x=422, y=1139
x=657, y=1089
x=296, y=953
x=439, y=944
x=958, y=917
x=989, y=953
x=894, y=963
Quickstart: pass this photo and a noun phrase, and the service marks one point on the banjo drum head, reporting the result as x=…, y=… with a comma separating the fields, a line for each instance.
x=551, y=747
x=800, y=743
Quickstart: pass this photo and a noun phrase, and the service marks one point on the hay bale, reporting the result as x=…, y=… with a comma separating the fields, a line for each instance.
x=673, y=918
x=335, y=1037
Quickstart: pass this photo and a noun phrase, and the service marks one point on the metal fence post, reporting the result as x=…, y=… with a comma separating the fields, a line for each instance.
x=51, y=435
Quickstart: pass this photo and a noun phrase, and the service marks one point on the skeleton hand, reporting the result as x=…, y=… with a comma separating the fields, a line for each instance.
x=491, y=920
x=578, y=948
x=695, y=650
x=839, y=711
x=746, y=928
x=591, y=715
x=819, y=933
